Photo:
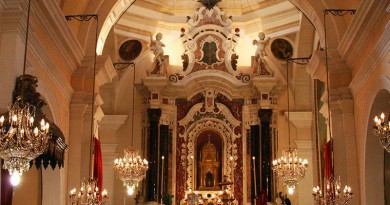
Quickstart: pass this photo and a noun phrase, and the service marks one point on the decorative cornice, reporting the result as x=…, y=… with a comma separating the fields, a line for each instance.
x=112, y=122
x=316, y=67
x=301, y=119
x=106, y=71
x=264, y=84
x=304, y=145
x=216, y=80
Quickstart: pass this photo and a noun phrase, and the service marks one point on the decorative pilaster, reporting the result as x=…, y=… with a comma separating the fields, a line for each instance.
x=12, y=35
x=152, y=175
x=76, y=139
x=302, y=121
x=343, y=129
x=108, y=157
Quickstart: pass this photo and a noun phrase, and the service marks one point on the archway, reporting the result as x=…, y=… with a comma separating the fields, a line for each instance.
x=374, y=178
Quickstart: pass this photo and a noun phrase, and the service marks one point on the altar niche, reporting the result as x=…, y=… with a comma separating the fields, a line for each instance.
x=208, y=160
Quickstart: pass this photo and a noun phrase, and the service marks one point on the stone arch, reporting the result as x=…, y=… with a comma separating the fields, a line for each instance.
x=53, y=181
x=312, y=9
x=373, y=157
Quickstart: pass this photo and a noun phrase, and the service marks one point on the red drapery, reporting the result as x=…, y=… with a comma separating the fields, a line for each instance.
x=98, y=164
x=328, y=159
x=6, y=188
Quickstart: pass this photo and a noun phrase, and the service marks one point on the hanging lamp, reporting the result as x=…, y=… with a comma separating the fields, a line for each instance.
x=332, y=194
x=22, y=137
x=131, y=168
x=89, y=193
x=289, y=167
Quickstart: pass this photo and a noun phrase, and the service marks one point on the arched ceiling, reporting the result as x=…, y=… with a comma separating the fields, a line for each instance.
x=146, y=17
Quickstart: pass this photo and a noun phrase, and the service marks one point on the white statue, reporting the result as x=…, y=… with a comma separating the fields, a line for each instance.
x=261, y=43
x=157, y=47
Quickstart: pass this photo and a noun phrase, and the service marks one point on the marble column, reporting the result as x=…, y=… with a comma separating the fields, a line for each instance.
x=152, y=175
x=265, y=174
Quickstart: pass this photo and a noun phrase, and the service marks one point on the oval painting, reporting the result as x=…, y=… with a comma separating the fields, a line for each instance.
x=130, y=50
x=281, y=49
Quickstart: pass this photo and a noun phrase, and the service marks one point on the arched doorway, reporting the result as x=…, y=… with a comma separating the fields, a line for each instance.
x=377, y=165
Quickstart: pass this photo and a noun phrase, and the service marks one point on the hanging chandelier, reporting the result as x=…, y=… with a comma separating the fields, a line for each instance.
x=22, y=138
x=382, y=130
x=131, y=169
x=333, y=194
x=289, y=167
x=88, y=195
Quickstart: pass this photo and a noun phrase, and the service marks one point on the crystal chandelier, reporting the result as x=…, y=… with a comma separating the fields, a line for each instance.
x=289, y=167
x=130, y=169
x=333, y=193
x=22, y=138
x=382, y=130
x=88, y=195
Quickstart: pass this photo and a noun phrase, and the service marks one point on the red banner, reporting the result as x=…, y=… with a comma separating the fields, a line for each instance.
x=328, y=148
x=98, y=164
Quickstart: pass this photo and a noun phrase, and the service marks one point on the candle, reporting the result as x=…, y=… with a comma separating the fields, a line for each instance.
x=162, y=178
x=254, y=176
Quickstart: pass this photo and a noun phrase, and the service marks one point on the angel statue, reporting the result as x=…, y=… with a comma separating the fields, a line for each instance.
x=157, y=47
x=261, y=43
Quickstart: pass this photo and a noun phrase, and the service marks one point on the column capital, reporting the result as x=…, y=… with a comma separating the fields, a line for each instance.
x=304, y=145
x=300, y=119
x=112, y=122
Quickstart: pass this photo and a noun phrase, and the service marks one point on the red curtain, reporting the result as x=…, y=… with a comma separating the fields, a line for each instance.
x=328, y=148
x=98, y=164
x=6, y=188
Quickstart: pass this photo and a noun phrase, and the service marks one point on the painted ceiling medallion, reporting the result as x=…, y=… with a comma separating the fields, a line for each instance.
x=209, y=4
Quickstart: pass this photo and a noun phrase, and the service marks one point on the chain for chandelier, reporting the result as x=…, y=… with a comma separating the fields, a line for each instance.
x=333, y=194
x=289, y=167
x=89, y=193
x=22, y=137
x=131, y=168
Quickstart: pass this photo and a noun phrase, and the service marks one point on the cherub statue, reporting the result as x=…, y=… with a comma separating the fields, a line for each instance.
x=261, y=43
x=157, y=47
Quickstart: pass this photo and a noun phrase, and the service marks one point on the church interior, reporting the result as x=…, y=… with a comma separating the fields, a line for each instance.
x=187, y=102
